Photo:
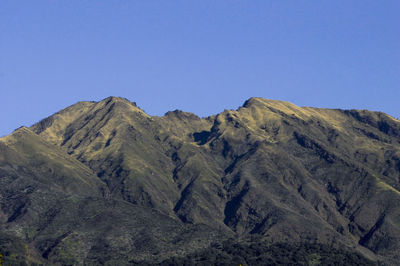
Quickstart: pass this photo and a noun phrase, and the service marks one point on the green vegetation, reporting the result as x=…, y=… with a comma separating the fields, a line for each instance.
x=105, y=183
x=233, y=253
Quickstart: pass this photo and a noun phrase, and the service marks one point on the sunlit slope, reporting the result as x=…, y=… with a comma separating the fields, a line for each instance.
x=54, y=209
x=270, y=168
x=114, y=138
x=25, y=154
x=345, y=164
x=36, y=178
x=150, y=161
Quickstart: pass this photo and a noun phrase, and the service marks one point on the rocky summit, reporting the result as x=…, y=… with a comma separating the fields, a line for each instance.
x=271, y=183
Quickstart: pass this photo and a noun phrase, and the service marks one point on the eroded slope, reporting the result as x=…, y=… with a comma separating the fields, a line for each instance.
x=270, y=168
x=55, y=209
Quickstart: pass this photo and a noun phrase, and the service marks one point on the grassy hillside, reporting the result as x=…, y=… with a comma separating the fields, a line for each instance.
x=98, y=180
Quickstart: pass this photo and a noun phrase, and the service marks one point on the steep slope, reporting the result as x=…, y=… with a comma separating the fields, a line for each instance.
x=35, y=176
x=270, y=168
x=114, y=138
x=54, y=209
x=29, y=166
x=314, y=154
x=150, y=161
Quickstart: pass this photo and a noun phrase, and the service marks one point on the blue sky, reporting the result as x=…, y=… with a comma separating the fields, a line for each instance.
x=198, y=56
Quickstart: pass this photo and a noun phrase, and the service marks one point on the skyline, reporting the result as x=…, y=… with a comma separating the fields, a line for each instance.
x=201, y=57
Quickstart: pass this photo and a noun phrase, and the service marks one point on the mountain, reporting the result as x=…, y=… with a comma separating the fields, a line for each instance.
x=271, y=182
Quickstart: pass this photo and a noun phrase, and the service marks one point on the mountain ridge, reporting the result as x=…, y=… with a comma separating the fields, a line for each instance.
x=269, y=170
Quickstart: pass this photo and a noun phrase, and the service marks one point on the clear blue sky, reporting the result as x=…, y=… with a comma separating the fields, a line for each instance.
x=199, y=56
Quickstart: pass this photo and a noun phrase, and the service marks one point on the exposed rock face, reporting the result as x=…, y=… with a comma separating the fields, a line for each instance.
x=103, y=182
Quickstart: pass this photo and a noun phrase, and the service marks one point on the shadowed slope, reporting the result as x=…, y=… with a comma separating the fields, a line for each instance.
x=116, y=140
x=147, y=161
x=270, y=168
x=24, y=152
x=54, y=209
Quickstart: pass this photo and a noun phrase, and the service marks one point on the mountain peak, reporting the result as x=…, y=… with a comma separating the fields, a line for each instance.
x=276, y=106
x=271, y=170
x=263, y=102
x=121, y=102
x=113, y=99
x=253, y=101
